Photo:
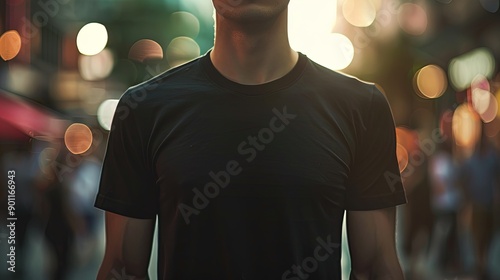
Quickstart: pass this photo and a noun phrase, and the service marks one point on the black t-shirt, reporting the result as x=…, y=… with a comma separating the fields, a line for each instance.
x=250, y=181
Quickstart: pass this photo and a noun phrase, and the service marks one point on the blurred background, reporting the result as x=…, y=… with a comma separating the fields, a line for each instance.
x=65, y=63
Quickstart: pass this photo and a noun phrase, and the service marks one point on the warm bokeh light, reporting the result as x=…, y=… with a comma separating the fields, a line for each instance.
x=78, y=138
x=105, y=113
x=333, y=50
x=491, y=111
x=402, y=156
x=181, y=50
x=466, y=126
x=359, y=13
x=412, y=19
x=308, y=20
x=480, y=82
x=430, y=81
x=407, y=138
x=96, y=67
x=480, y=100
x=92, y=38
x=483, y=101
x=10, y=45
x=145, y=49
x=463, y=69
x=186, y=24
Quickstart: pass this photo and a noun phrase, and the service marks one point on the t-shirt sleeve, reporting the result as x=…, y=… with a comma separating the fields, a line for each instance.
x=127, y=186
x=374, y=178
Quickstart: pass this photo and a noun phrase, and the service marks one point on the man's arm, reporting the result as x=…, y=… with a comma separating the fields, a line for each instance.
x=128, y=248
x=371, y=237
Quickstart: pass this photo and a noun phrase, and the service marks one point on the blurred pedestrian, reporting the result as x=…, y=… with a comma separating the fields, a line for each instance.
x=480, y=176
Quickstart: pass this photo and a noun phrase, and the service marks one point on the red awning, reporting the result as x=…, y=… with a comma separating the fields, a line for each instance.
x=21, y=119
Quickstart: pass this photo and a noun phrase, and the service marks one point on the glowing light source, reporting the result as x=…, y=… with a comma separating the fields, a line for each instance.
x=412, y=19
x=145, y=49
x=480, y=82
x=359, y=13
x=105, y=113
x=182, y=49
x=308, y=21
x=407, y=138
x=430, y=82
x=334, y=51
x=480, y=100
x=186, y=24
x=96, y=67
x=78, y=138
x=466, y=127
x=92, y=38
x=463, y=69
x=485, y=105
x=483, y=101
x=10, y=45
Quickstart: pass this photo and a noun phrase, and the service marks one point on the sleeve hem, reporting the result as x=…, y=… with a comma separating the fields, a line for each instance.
x=108, y=204
x=378, y=202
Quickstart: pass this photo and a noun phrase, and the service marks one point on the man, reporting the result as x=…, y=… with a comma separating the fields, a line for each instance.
x=249, y=156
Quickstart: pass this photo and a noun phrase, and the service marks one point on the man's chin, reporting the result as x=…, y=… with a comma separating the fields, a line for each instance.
x=250, y=14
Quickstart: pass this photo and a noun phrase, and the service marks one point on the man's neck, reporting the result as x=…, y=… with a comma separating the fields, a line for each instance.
x=250, y=54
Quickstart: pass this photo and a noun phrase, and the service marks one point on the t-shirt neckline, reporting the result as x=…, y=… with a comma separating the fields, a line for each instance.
x=273, y=86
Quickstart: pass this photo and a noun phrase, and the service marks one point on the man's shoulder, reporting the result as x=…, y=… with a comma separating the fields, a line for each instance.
x=341, y=87
x=173, y=76
x=173, y=84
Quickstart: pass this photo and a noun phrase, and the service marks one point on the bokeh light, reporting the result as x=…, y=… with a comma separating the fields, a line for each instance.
x=186, y=24
x=430, y=81
x=96, y=67
x=402, y=156
x=92, y=38
x=463, y=69
x=308, y=20
x=359, y=13
x=145, y=49
x=78, y=138
x=105, y=113
x=333, y=50
x=10, y=45
x=181, y=50
x=480, y=100
x=480, y=82
x=466, y=126
x=490, y=112
x=408, y=138
x=412, y=19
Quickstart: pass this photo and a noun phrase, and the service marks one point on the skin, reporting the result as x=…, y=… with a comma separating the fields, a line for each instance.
x=251, y=47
